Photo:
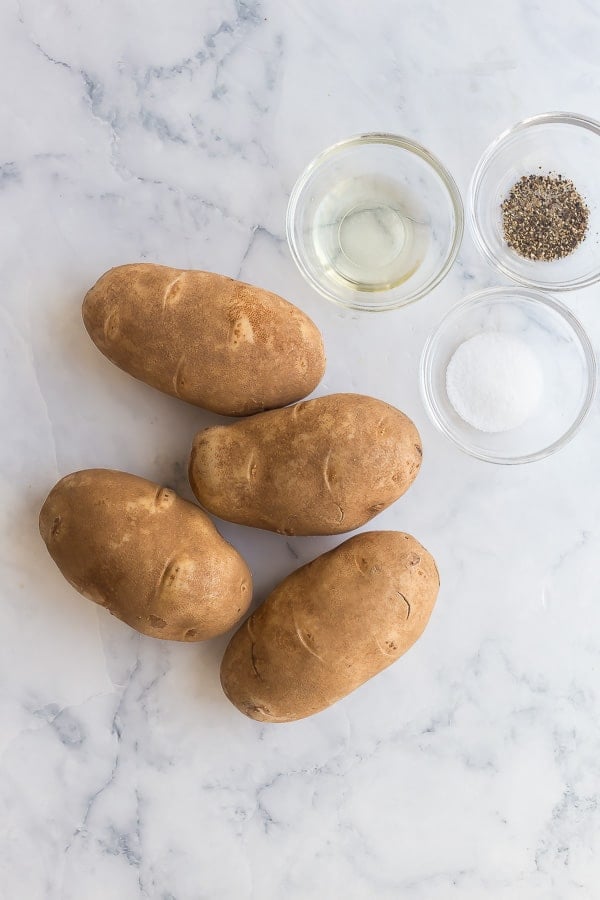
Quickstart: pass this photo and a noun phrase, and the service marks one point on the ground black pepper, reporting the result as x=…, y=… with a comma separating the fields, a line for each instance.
x=544, y=217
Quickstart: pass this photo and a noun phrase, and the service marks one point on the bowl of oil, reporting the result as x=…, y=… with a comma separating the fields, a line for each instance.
x=375, y=222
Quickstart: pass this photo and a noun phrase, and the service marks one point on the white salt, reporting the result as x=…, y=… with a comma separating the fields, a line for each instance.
x=494, y=381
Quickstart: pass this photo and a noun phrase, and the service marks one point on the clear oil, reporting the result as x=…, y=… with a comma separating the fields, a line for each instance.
x=366, y=233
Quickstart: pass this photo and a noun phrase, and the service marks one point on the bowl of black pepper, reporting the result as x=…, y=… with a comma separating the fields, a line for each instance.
x=534, y=203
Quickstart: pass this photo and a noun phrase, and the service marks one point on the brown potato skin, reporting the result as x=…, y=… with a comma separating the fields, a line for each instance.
x=330, y=626
x=215, y=342
x=149, y=557
x=324, y=466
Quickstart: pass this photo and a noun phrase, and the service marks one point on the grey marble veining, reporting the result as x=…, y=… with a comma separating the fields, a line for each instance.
x=174, y=132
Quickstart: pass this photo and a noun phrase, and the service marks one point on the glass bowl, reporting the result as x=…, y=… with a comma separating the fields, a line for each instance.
x=374, y=222
x=558, y=143
x=563, y=351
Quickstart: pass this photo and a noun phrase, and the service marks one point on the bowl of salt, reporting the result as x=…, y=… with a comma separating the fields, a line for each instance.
x=508, y=375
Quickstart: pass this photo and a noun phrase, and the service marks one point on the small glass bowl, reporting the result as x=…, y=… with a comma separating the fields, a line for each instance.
x=562, y=348
x=560, y=143
x=374, y=222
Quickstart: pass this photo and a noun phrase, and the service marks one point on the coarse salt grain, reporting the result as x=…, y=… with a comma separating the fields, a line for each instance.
x=494, y=381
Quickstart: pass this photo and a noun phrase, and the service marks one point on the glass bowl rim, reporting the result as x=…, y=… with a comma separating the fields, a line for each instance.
x=508, y=293
x=402, y=143
x=553, y=118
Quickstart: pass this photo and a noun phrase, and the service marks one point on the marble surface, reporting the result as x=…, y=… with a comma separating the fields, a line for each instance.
x=173, y=132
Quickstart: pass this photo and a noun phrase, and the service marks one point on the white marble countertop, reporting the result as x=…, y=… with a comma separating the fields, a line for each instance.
x=173, y=132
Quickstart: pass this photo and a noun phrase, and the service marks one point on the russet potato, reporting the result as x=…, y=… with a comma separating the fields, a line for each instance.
x=149, y=557
x=323, y=466
x=330, y=626
x=215, y=342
